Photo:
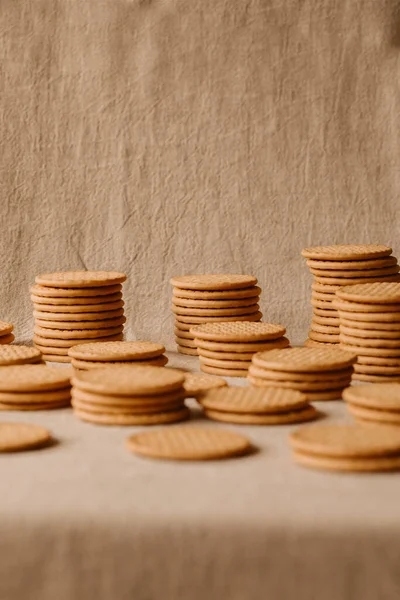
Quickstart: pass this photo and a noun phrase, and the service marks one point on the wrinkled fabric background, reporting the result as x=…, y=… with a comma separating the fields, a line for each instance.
x=165, y=137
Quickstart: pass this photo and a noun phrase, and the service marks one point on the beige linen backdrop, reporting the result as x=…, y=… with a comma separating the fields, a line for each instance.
x=164, y=137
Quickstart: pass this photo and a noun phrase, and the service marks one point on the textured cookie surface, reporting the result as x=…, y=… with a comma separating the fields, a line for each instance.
x=352, y=465
x=304, y=359
x=77, y=303
x=59, y=292
x=353, y=264
x=189, y=443
x=158, y=361
x=77, y=334
x=238, y=332
x=79, y=325
x=283, y=418
x=199, y=383
x=384, y=396
x=172, y=416
x=32, y=378
x=379, y=293
x=14, y=355
x=347, y=251
x=74, y=316
x=77, y=279
x=213, y=281
x=346, y=441
x=226, y=319
x=5, y=328
x=248, y=292
x=114, y=351
x=253, y=400
x=22, y=436
x=129, y=380
x=239, y=347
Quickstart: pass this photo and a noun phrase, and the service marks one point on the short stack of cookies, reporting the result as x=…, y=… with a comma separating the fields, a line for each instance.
x=376, y=402
x=73, y=307
x=352, y=448
x=227, y=348
x=250, y=406
x=370, y=327
x=337, y=266
x=210, y=299
x=129, y=395
x=6, y=335
x=34, y=387
x=102, y=354
x=320, y=373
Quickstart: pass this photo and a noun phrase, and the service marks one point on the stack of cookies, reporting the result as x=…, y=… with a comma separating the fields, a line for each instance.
x=370, y=327
x=320, y=373
x=34, y=387
x=250, y=406
x=227, y=348
x=209, y=299
x=129, y=395
x=377, y=402
x=337, y=266
x=6, y=337
x=102, y=354
x=74, y=307
x=347, y=447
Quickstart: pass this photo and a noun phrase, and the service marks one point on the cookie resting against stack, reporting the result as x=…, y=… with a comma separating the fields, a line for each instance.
x=6, y=335
x=73, y=307
x=336, y=266
x=130, y=395
x=320, y=373
x=212, y=298
x=369, y=317
x=102, y=354
x=227, y=348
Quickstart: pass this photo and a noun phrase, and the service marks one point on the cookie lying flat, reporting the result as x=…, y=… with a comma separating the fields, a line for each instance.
x=15, y=437
x=350, y=265
x=248, y=292
x=80, y=279
x=288, y=418
x=214, y=304
x=159, y=361
x=173, y=416
x=73, y=303
x=213, y=282
x=33, y=378
x=57, y=292
x=239, y=332
x=245, y=400
x=115, y=351
x=381, y=293
x=189, y=443
x=305, y=359
x=81, y=309
x=18, y=355
x=345, y=252
x=197, y=384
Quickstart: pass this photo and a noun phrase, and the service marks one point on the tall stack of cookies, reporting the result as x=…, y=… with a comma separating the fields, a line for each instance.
x=210, y=299
x=320, y=373
x=227, y=349
x=336, y=266
x=370, y=327
x=74, y=307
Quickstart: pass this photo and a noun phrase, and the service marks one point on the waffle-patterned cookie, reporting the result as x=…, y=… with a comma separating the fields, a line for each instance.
x=162, y=401
x=197, y=384
x=347, y=252
x=80, y=279
x=76, y=334
x=114, y=351
x=362, y=414
x=74, y=303
x=238, y=332
x=393, y=334
x=106, y=323
x=219, y=304
x=305, y=359
x=81, y=309
x=374, y=293
x=238, y=347
x=342, y=305
x=248, y=292
x=392, y=270
x=218, y=281
x=369, y=341
x=345, y=281
x=73, y=317
x=385, y=396
x=33, y=378
x=157, y=361
x=284, y=418
x=83, y=293
x=5, y=328
x=18, y=355
x=257, y=316
x=121, y=419
x=189, y=443
x=357, y=265
x=215, y=312
x=249, y=400
x=369, y=351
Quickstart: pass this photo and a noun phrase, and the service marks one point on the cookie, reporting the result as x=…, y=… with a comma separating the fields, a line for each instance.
x=238, y=356
x=136, y=403
x=33, y=378
x=389, y=270
x=34, y=407
x=393, y=326
x=359, y=280
x=378, y=360
x=382, y=293
x=238, y=332
x=370, y=342
x=19, y=355
x=102, y=409
x=42, y=397
x=375, y=378
x=56, y=310
x=159, y=361
x=189, y=443
x=114, y=351
x=5, y=328
x=322, y=304
x=379, y=396
x=172, y=416
x=361, y=413
x=249, y=292
x=364, y=317
x=80, y=279
x=184, y=327
x=305, y=359
x=75, y=301
x=239, y=347
x=313, y=344
x=351, y=265
x=70, y=325
x=326, y=289
x=377, y=369
x=197, y=384
x=194, y=320
x=185, y=342
x=322, y=312
x=213, y=282
x=370, y=333
x=43, y=332
x=322, y=296
x=297, y=416
x=22, y=436
x=215, y=304
x=52, y=292
x=329, y=321
x=215, y=312
x=335, y=394
x=327, y=329
x=52, y=350
x=345, y=252
x=246, y=400
x=331, y=338
x=7, y=339
x=306, y=386
x=353, y=465
x=182, y=334
x=369, y=351
x=345, y=306
x=224, y=363
x=186, y=350
x=130, y=380
x=68, y=343
x=223, y=372
x=306, y=377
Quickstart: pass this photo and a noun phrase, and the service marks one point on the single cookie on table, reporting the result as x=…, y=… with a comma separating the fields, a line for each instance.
x=213, y=282
x=189, y=443
x=347, y=447
x=80, y=279
x=345, y=252
x=68, y=309
x=196, y=384
x=236, y=294
x=15, y=437
x=43, y=291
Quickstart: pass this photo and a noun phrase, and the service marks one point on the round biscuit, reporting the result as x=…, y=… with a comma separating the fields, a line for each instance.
x=70, y=309
x=75, y=301
x=52, y=292
x=124, y=419
x=223, y=372
x=257, y=316
x=345, y=252
x=382, y=293
x=80, y=279
x=33, y=378
x=217, y=281
x=297, y=416
x=215, y=312
x=224, y=363
x=352, y=465
x=197, y=384
x=351, y=265
x=186, y=350
x=238, y=332
x=218, y=304
x=114, y=351
x=245, y=400
x=237, y=294
x=19, y=355
x=305, y=359
x=77, y=333
x=22, y=436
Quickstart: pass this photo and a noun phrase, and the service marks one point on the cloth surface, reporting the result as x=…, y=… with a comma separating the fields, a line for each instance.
x=164, y=137
x=87, y=519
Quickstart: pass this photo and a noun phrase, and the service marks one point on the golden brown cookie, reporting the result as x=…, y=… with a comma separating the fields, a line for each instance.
x=139, y=403
x=19, y=355
x=369, y=351
x=74, y=302
x=22, y=436
x=345, y=252
x=246, y=400
x=111, y=323
x=7, y=339
x=296, y=416
x=327, y=329
x=331, y=338
x=277, y=375
x=114, y=351
x=364, y=377
x=305, y=359
x=80, y=279
x=239, y=347
x=370, y=325
x=359, y=280
x=246, y=356
x=76, y=334
x=54, y=342
x=351, y=265
x=382, y=293
x=238, y=332
x=224, y=364
x=33, y=378
x=63, y=312
x=370, y=342
x=215, y=312
x=249, y=292
x=196, y=384
x=354, y=465
x=347, y=306
x=186, y=350
x=58, y=358
x=370, y=333
x=223, y=372
x=358, y=274
x=42, y=397
x=158, y=361
x=377, y=369
x=52, y=292
x=217, y=281
x=214, y=304
x=199, y=320
x=185, y=342
x=122, y=419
